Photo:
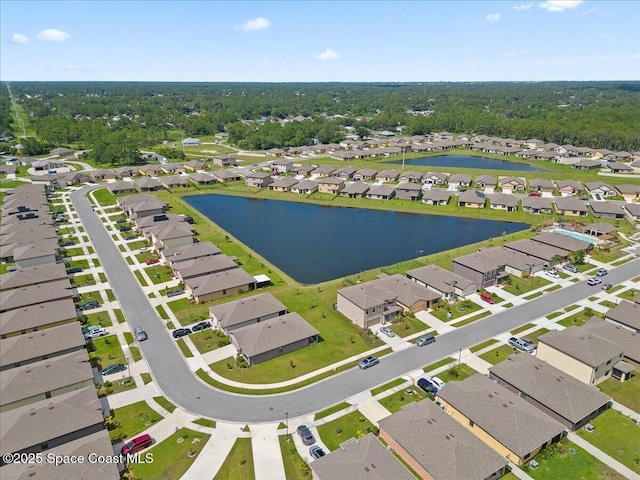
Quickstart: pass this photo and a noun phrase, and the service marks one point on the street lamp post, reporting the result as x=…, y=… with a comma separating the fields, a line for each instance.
x=286, y=422
x=459, y=357
x=128, y=369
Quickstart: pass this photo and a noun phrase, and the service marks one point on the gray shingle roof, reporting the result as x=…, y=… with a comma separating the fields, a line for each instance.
x=406, y=291
x=204, y=266
x=626, y=313
x=246, y=309
x=381, y=190
x=582, y=345
x=509, y=419
x=442, y=446
x=189, y=252
x=569, y=203
x=33, y=275
x=616, y=334
x=609, y=208
x=219, y=281
x=565, y=242
x=34, y=294
x=355, y=188
x=439, y=278
x=38, y=315
x=367, y=295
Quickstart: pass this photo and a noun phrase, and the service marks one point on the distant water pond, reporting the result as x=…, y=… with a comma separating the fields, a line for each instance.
x=313, y=243
x=466, y=161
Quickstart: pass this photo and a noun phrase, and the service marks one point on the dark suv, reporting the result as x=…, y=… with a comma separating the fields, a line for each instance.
x=180, y=332
x=200, y=326
x=427, y=386
x=89, y=305
x=305, y=435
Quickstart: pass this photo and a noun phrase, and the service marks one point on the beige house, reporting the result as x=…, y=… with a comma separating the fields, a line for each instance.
x=246, y=311
x=367, y=305
x=220, y=285
x=585, y=356
x=257, y=179
x=171, y=236
x=331, y=185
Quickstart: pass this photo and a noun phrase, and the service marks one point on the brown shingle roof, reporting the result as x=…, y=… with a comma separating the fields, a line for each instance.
x=582, y=345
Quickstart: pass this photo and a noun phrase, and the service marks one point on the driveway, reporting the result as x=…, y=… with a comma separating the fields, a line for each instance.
x=182, y=387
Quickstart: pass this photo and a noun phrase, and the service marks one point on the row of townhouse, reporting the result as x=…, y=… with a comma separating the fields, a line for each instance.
x=48, y=401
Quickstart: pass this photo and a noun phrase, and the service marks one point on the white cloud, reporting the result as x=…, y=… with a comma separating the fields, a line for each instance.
x=493, y=17
x=52, y=35
x=328, y=54
x=559, y=5
x=19, y=38
x=526, y=6
x=254, y=25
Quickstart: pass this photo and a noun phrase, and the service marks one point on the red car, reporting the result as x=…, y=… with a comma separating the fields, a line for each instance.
x=487, y=298
x=153, y=261
x=535, y=194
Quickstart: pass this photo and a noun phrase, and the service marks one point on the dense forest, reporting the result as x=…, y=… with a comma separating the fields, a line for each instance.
x=115, y=120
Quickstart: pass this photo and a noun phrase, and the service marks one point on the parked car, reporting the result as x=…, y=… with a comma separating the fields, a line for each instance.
x=137, y=444
x=200, y=326
x=606, y=286
x=388, y=332
x=425, y=340
x=141, y=335
x=369, y=361
x=437, y=382
x=552, y=274
x=601, y=272
x=61, y=220
x=594, y=281
x=74, y=270
x=115, y=368
x=89, y=305
x=68, y=243
x=175, y=292
x=427, y=386
x=316, y=452
x=535, y=194
x=522, y=344
x=305, y=435
x=121, y=220
x=144, y=250
x=130, y=237
x=180, y=332
x=95, y=333
x=125, y=228
x=152, y=261
x=487, y=298
x=570, y=268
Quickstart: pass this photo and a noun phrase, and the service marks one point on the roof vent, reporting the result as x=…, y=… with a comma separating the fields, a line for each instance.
x=505, y=405
x=447, y=437
x=366, y=469
x=32, y=411
x=373, y=466
x=51, y=406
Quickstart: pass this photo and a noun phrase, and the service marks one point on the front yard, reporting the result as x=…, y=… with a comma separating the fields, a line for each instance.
x=239, y=463
x=396, y=401
x=449, y=313
x=497, y=355
x=353, y=425
x=132, y=419
x=517, y=286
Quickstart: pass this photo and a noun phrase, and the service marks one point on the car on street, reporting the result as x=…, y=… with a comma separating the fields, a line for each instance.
x=316, y=452
x=68, y=243
x=601, y=272
x=437, y=382
x=426, y=385
x=570, y=268
x=175, y=292
x=305, y=435
x=369, y=361
x=115, y=368
x=606, y=286
x=180, y=332
x=74, y=270
x=95, y=333
x=152, y=261
x=594, y=281
x=425, y=340
x=200, y=326
x=388, y=332
x=552, y=274
x=141, y=335
x=89, y=305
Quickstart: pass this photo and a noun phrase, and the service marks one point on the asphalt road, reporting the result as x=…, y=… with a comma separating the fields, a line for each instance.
x=182, y=387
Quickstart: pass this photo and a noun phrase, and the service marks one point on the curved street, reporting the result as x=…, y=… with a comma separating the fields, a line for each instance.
x=182, y=387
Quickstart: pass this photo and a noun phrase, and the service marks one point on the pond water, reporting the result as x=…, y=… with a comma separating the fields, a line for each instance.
x=313, y=243
x=466, y=161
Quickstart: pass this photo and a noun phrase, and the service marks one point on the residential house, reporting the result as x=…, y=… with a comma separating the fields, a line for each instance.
x=275, y=152
x=549, y=389
x=257, y=179
x=442, y=281
x=600, y=188
x=435, y=178
x=62, y=152
x=367, y=304
x=410, y=176
x=632, y=212
x=173, y=182
x=409, y=191
x=365, y=174
x=126, y=172
x=30, y=276
x=629, y=192
x=433, y=444
x=354, y=190
x=458, y=180
x=486, y=182
x=305, y=187
x=202, y=178
x=471, y=199
x=331, y=185
x=283, y=185
x=323, y=171
x=18, y=298
x=565, y=242
x=271, y=338
x=390, y=175
x=172, y=168
x=304, y=170
x=626, y=314
x=381, y=192
x=194, y=165
x=617, y=334
x=146, y=184
x=607, y=210
x=225, y=176
x=193, y=251
x=541, y=185
x=510, y=425
x=569, y=187
x=191, y=142
x=246, y=311
x=436, y=196
x=571, y=207
x=149, y=170
x=345, y=173
x=220, y=285
x=513, y=184
x=585, y=356
x=599, y=229
x=38, y=317
x=537, y=205
x=203, y=266
x=171, y=236
x=587, y=164
x=342, y=155
x=409, y=295
x=225, y=160
x=281, y=166
x=617, y=167
x=537, y=250
x=102, y=174
x=36, y=253
x=121, y=187
x=503, y=201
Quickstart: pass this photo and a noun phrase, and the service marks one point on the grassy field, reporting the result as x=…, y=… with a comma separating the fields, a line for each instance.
x=239, y=463
x=102, y=319
x=331, y=410
x=517, y=286
x=108, y=350
x=497, y=355
x=387, y=386
x=133, y=419
x=164, y=403
x=626, y=393
x=353, y=425
x=396, y=401
x=170, y=458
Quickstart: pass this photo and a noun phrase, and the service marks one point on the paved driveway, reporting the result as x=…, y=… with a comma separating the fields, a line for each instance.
x=181, y=386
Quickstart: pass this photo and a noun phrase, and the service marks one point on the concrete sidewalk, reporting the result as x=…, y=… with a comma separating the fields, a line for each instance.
x=267, y=457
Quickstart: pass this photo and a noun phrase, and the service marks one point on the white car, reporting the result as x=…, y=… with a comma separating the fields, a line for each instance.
x=437, y=382
x=145, y=250
x=95, y=333
x=388, y=332
x=552, y=274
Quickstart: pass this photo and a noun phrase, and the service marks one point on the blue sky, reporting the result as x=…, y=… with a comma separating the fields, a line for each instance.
x=320, y=41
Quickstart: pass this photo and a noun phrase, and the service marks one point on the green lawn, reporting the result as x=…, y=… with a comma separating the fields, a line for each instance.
x=133, y=419
x=119, y=315
x=110, y=295
x=497, y=355
x=108, y=350
x=160, y=274
x=205, y=422
x=533, y=336
x=608, y=304
x=143, y=257
x=113, y=386
x=480, y=346
x=353, y=425
x=331, y=410
x=406, y=325
x=135, y=353
x=295, y=468
x=162, y=313
x=629, y=294
x=441, y=363
x=533, y=295
x=146, y=378
x=140, y=278
x=170, y=458
x=387, y=386
x=164, y=403
x=84, y=264
x=554, y=465
x=469, y=320
x=239, y=463
x=616, y=435
x=184, y=348
x=517, y=286
x=4, y=267
x=102, y=319
x=396, y=401
x=626, y=393
x=88, y=296
x=104, y=197
x=522, y=328
x=207, y=340
x=72, y=252
x=456, y=373
x=460, y=309
x=578, y=319
x=128, y=336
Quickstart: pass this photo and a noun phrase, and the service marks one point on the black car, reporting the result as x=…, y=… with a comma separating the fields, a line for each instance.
x=427, y=386
x=200, y=326
x=125, y=228
x=181, y=332
x=121, y=220
x=305, y=435
x=89, y=305
x=131, y=237
x=175, y=292
x=115, y=368
x=74, y=270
